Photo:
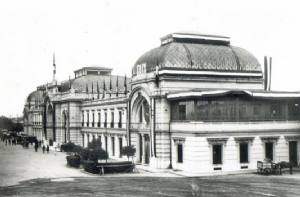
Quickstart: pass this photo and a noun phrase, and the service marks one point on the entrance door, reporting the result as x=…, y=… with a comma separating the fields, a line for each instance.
x=269, y=150
x=293, y=153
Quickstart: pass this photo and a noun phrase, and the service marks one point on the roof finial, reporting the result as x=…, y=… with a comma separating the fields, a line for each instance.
x=54, y=67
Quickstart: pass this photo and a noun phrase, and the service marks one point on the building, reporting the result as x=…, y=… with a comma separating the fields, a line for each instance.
x=196, y=103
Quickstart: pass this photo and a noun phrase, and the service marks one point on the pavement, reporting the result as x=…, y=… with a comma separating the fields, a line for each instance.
x=19, y=164
x=24, y=172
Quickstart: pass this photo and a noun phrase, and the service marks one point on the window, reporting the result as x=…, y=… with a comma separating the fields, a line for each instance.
x=100, y=140
x=112, y=119
x=217, y=154
x=105, y=119
x=82, y=118
x=83, y=140
x=182, y=111
x=275, y=111
x=105, y=139
x=120, y=146
x=141, y=115
x=244, y=152
x=269, y=150
x=93, y=119
x=88, y=119
x=99, y=119
x=113, y=145
x=120, y=120
x=179, y=153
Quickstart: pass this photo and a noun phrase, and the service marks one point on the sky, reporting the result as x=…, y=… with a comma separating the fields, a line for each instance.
x=116, y=33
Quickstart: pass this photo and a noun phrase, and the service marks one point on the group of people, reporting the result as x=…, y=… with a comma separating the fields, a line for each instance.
x=8, y=140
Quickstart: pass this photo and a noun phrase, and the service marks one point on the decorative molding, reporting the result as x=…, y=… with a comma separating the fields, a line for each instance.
x=269, y=138
x=217, y=140
x=244, y=139
x=292, y=137
x=178, y=140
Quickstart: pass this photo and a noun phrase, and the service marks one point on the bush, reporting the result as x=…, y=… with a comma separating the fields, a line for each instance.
x=90, y=166
x=68, y=147
x=73, y=160
x=129, y=151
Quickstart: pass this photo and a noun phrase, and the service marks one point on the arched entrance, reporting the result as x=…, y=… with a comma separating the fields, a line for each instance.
x=140, y=126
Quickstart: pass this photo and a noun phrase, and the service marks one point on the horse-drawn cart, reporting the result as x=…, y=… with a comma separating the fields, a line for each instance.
x=268, y=167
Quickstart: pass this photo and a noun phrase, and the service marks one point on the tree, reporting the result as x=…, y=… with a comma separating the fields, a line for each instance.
x=129, y=151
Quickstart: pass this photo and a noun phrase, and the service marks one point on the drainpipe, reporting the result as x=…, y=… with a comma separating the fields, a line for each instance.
x=170, y=141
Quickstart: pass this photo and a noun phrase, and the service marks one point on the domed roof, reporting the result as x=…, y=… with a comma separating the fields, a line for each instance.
x=200, y=52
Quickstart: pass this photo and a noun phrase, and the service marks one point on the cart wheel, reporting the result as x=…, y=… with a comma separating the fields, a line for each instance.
x=267, y=171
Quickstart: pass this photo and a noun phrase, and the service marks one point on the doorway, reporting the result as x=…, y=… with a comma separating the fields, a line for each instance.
x=269, y=150
x=293, y=156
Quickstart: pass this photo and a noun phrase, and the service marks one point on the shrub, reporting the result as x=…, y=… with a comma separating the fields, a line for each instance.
x=91, y=166
x=73, y=160
x=68, y=147
x=129, y=151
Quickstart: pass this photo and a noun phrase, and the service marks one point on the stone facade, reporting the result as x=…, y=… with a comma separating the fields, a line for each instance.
x=140, y=111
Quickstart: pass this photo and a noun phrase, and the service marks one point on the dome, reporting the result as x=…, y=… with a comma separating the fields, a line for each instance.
x=197, y=52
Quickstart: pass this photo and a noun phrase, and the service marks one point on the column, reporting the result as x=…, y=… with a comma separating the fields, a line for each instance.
x=85, y=140
x=103, y=141
x=143, y=149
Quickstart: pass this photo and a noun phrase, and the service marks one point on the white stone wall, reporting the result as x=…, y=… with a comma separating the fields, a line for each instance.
x=197, y=153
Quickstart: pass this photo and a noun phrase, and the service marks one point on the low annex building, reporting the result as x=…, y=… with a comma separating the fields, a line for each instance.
x=196, y=103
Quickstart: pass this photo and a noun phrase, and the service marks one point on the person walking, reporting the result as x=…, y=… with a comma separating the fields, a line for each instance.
x=36, y=146
x=47, y=148
x=44, y=148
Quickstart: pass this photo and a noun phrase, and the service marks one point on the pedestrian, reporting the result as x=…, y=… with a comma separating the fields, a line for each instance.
x=44, y=148
x=47, y=148
x=6, y=142
x=36, y=147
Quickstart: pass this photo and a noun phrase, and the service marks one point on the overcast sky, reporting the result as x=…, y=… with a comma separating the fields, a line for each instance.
x=115, y=33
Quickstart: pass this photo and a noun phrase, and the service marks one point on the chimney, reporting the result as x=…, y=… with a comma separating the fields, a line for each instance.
x=266, y=73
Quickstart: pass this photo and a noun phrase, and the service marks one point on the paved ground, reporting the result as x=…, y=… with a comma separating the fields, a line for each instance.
x=47, y=175
x=18, y=164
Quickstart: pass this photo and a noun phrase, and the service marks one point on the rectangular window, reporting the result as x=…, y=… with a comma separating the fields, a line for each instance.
x=113, y=145
x=99, y=119
x=244, y=153
x=105, y=119
x=217, y=154
x=120, y=119
x=112, y=119
x=120, y=146
x=93, y=119
x=82, y=118
x=179, y=153
x=88, y=119
x=100, y=140
x=105, y=139
x=269, y=150
x=182, y=111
